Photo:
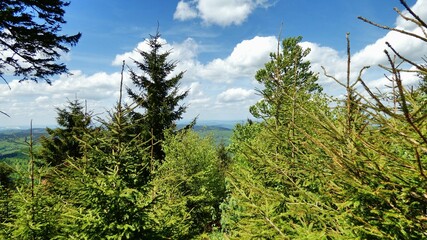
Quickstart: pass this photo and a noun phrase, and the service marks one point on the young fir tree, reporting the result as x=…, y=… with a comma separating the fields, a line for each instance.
x=275, y=186
x=35, y=211
x=108, y=189
x=190, y=184
x=63, y=142
x=158, y=94
x=286, y=77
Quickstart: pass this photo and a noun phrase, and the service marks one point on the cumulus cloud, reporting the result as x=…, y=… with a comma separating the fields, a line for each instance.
x=236, y=95
x=135, y=53
x=419, y=8
x=372, y=54
x=184, y=53
x=222, y=85
x=218, y=12
x=327, y=57
x=38, y=100
x=184, y=11
x=246, y=58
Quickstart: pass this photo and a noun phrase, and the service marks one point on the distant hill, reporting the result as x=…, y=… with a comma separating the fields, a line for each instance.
x=13, y=146
x=21, y=133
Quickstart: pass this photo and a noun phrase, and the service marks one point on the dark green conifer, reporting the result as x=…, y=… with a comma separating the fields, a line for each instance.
x=29, y=30
x=158, y=93
x=63, y=142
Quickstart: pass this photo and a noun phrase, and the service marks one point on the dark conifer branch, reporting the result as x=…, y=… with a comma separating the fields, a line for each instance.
x=30, y=32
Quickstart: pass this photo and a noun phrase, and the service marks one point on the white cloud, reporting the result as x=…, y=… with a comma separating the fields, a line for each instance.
x=195, y=89
x=372, y=55
x=236, y=95
x=184, y=53
x=246, y=58
x=220, y=88
x=200, y=101
x=327, y=57
x=219, y=12
x=419, y=8
x=129, y=57
x=184, y=11
x=29, y=100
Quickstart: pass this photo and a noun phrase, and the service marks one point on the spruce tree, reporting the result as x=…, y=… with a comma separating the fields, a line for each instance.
x=274, y=184
x=63, y=142
x=108, y=189
x=286, y=77
x=158, y=94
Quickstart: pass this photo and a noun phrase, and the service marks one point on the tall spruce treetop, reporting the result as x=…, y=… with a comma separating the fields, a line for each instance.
x=30, y=42
x=285, y=77
x=158, y=94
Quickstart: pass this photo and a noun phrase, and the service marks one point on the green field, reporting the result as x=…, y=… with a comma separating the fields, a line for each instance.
x=14, y=144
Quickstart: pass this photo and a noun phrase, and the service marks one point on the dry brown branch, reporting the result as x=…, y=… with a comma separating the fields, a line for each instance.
x=393, y=29
x=422, y=23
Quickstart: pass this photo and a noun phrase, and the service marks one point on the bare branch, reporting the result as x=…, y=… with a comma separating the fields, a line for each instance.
x=393, y=29
x=5, y=114
x=403, y=2
x=405, y=59
x=7, y=83
x=332, y=77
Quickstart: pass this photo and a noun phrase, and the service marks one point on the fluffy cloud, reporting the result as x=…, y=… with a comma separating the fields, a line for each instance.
x=219, y=12
x=236, y=95
x=135, y=53
x=184, y=52
x=372, y=55
x=184, y=11
x=38, y=100
x=246, y=58
x=319, y=56
x=419, y=8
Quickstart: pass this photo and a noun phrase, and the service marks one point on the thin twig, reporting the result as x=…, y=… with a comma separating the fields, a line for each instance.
x=420, y=166
x=7, y=83
x=403, y=58
x=392, y=29
x=332, y=77
x=7, y=115
x=403, y=2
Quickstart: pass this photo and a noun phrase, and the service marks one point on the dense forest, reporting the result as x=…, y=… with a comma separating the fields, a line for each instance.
x=311, y=166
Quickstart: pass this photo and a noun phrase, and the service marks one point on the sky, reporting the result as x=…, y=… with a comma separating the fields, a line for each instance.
x=220, y=44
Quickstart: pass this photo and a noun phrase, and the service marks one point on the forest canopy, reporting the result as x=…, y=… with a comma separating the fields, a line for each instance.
x=310, y=166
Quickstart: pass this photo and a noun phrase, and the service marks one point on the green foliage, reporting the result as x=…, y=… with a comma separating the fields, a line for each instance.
x=307, y=171
x=285, y=78
x=32, y=212
x=13, y=147
x=110, y=186
x=35, y=214
x=30, y=30
x=190, y=185
x=64, y=142
x=6, y=186
x=159, y=95
x=274, y=193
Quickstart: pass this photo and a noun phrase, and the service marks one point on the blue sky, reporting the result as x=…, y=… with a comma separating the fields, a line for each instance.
x=219, y=43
